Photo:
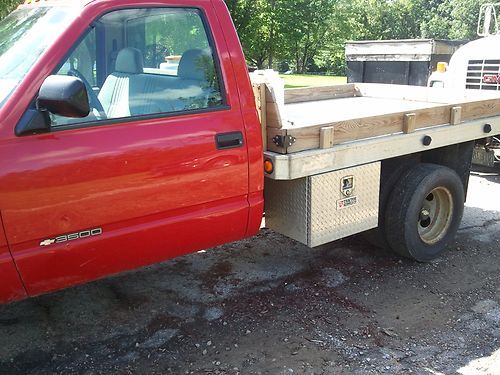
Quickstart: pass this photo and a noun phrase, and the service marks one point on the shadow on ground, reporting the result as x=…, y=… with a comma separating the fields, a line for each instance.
x=271, y=305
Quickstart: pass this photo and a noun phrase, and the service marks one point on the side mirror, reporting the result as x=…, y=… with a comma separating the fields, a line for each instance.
x=65, y=96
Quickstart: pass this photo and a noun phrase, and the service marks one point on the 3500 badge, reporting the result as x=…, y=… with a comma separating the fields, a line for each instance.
x=72, y=237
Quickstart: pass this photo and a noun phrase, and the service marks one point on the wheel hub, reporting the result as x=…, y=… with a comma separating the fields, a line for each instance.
x=435, y=215
x=424, y=214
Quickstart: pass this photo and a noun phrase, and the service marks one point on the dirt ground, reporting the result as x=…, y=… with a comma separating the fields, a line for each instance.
x=270, y=305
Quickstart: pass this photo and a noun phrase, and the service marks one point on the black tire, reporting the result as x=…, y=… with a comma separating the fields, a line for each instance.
x=424, y=212
x=392, y=170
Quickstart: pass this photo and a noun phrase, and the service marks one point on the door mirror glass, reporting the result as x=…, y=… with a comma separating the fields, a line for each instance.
x=64, y=96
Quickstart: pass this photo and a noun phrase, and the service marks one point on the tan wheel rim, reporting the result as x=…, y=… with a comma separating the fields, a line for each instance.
x=435, y=215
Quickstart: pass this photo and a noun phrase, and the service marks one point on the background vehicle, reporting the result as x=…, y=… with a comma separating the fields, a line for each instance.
x=108, y=166
x=402, y=62
x=476, y=66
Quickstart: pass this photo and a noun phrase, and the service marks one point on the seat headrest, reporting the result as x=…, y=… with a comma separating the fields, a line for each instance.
x=129, y=60
x=195, y=64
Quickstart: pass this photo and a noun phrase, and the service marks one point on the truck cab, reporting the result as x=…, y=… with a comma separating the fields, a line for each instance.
x=161, y=162
x=476, y=65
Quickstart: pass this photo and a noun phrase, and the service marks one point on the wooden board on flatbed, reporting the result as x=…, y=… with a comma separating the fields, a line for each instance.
x=323, y=117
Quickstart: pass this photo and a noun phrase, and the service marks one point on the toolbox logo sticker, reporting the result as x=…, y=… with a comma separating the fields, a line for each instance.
x=347, y=202
x=347, y=186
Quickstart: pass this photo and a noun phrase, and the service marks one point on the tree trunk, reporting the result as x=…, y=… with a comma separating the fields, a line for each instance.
x=271, y=36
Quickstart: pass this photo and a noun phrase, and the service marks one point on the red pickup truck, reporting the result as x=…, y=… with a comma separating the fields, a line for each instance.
x=109, y=162
x=124, y=186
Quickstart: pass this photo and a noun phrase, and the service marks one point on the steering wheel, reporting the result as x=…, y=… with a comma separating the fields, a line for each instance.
x=93, y=99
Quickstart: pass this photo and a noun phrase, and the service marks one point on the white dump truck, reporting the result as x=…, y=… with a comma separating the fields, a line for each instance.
x=476, y=66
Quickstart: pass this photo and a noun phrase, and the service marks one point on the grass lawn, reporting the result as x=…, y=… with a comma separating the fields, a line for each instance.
x=298, y=80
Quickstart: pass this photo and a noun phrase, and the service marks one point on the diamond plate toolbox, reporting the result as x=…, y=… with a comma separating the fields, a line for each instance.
x=319, y=209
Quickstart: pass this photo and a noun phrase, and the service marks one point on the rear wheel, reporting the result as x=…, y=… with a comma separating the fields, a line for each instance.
x=392, y=170
x=424, y=212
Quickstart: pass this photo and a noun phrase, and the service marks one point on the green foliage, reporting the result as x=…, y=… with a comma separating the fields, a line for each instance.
x=311, y=35
x=453, y=19
x=185, y=31
x=7, y=6
x=284, y=30
x=255, y=21
x=307, y=25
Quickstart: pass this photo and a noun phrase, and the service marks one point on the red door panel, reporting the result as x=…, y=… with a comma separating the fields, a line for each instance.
x=11, y=288
x=153, y=189
x=156, y=189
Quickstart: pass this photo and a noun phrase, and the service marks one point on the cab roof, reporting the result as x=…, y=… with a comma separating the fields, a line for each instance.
x=35, y=3
x=70, y=3
x=56, y=2
x=80, y=3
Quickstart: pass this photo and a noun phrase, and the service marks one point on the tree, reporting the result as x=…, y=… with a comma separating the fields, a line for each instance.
x=290, y=30
x=386, y=19
x=306, y=27
x=367, y=20
x=7, y=6
x=254, y=20
x=309, y=33
x=452, y=19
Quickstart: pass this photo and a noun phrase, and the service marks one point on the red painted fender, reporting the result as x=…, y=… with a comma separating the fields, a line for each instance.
x=11, y=287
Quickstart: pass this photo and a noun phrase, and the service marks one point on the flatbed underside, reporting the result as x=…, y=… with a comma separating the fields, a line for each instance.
x=316, y=161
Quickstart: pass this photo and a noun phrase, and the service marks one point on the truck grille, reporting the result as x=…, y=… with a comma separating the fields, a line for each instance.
x=483, y=75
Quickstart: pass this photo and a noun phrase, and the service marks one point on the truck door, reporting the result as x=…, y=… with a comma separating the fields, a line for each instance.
x=11, y=287
x=158, y=169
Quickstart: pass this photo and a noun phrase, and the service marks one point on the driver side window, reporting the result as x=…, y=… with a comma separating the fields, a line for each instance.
x=82, y=60
x=140, y=62
x=82, y=64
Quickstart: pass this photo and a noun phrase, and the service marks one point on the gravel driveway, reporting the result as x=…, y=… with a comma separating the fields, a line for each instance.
x=270, y=305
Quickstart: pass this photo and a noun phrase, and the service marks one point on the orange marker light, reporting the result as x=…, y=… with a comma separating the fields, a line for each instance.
x=268, y=166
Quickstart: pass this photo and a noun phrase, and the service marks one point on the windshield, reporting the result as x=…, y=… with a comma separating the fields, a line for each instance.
x=24, y=35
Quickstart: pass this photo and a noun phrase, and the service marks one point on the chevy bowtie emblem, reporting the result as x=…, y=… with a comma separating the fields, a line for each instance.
x=47, y=242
